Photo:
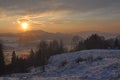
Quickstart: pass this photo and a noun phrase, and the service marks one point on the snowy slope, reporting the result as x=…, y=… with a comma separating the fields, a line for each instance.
x=81, y=65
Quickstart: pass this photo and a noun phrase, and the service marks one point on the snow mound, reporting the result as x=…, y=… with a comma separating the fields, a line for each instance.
x=81, y=65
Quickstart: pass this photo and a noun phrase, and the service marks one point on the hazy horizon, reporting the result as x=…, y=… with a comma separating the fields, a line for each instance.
x=62, y=32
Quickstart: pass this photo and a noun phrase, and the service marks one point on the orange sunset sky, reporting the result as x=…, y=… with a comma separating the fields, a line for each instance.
x=65, y=16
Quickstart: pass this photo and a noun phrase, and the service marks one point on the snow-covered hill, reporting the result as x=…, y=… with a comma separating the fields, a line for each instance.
x=81, y=65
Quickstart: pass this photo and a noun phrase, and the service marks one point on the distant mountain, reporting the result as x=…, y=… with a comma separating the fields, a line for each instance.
x=37, y=35
x=32, y=38
x=8, y=35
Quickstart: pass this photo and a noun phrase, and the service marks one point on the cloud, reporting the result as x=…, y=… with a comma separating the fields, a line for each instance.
x=23, y=20
x=24, y=7
x=20, y=7
x=58, y=11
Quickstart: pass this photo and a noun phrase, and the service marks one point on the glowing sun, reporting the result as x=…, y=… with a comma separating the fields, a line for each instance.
x=24, y=25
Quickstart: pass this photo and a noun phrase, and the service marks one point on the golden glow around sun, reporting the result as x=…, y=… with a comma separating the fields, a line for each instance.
x=24, y=25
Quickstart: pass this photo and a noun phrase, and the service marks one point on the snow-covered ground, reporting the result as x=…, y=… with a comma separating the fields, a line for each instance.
x=81, y=65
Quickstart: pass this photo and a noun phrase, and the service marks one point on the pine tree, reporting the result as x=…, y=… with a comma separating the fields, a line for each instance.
x=95, y=42
x=14, y=62
x=80, y=46
x=55, y=47
x=61, y=47
x=14, y=58
x=31, y=58
x=116, y=45
x=2, y=63
x=41, y=55
x=75, y=41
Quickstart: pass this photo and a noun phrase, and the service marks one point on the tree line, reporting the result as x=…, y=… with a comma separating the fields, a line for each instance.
x=95, y=42
x=36, y=58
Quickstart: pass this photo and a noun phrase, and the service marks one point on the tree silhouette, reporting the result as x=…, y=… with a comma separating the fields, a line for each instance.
x=2, y=63
x=31, y=58
x=61, y=47
x=116, y=44
x=80, y=46
x=41, y=55
x=14, y=58
x=75, y=41
x=95, y=42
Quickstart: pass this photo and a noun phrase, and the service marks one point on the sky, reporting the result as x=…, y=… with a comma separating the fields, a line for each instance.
x=65, y=16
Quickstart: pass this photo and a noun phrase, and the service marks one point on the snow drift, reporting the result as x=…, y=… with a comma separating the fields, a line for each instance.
x=81, y=65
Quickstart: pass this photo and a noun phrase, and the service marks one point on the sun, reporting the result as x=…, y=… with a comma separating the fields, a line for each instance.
x=24, y=25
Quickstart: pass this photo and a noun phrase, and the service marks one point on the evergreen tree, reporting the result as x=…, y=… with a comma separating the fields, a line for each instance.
x=95, y=42
x=52, y=47
x=31, y=58
x=41, y=55
x=2, y=63
x=61, y=47
x=55, y=47
x=14, y=58
x=80, y=46
x=75, y=41
x=14, y=62
x=21, y=65
x=110, y=43
x=116, y=44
